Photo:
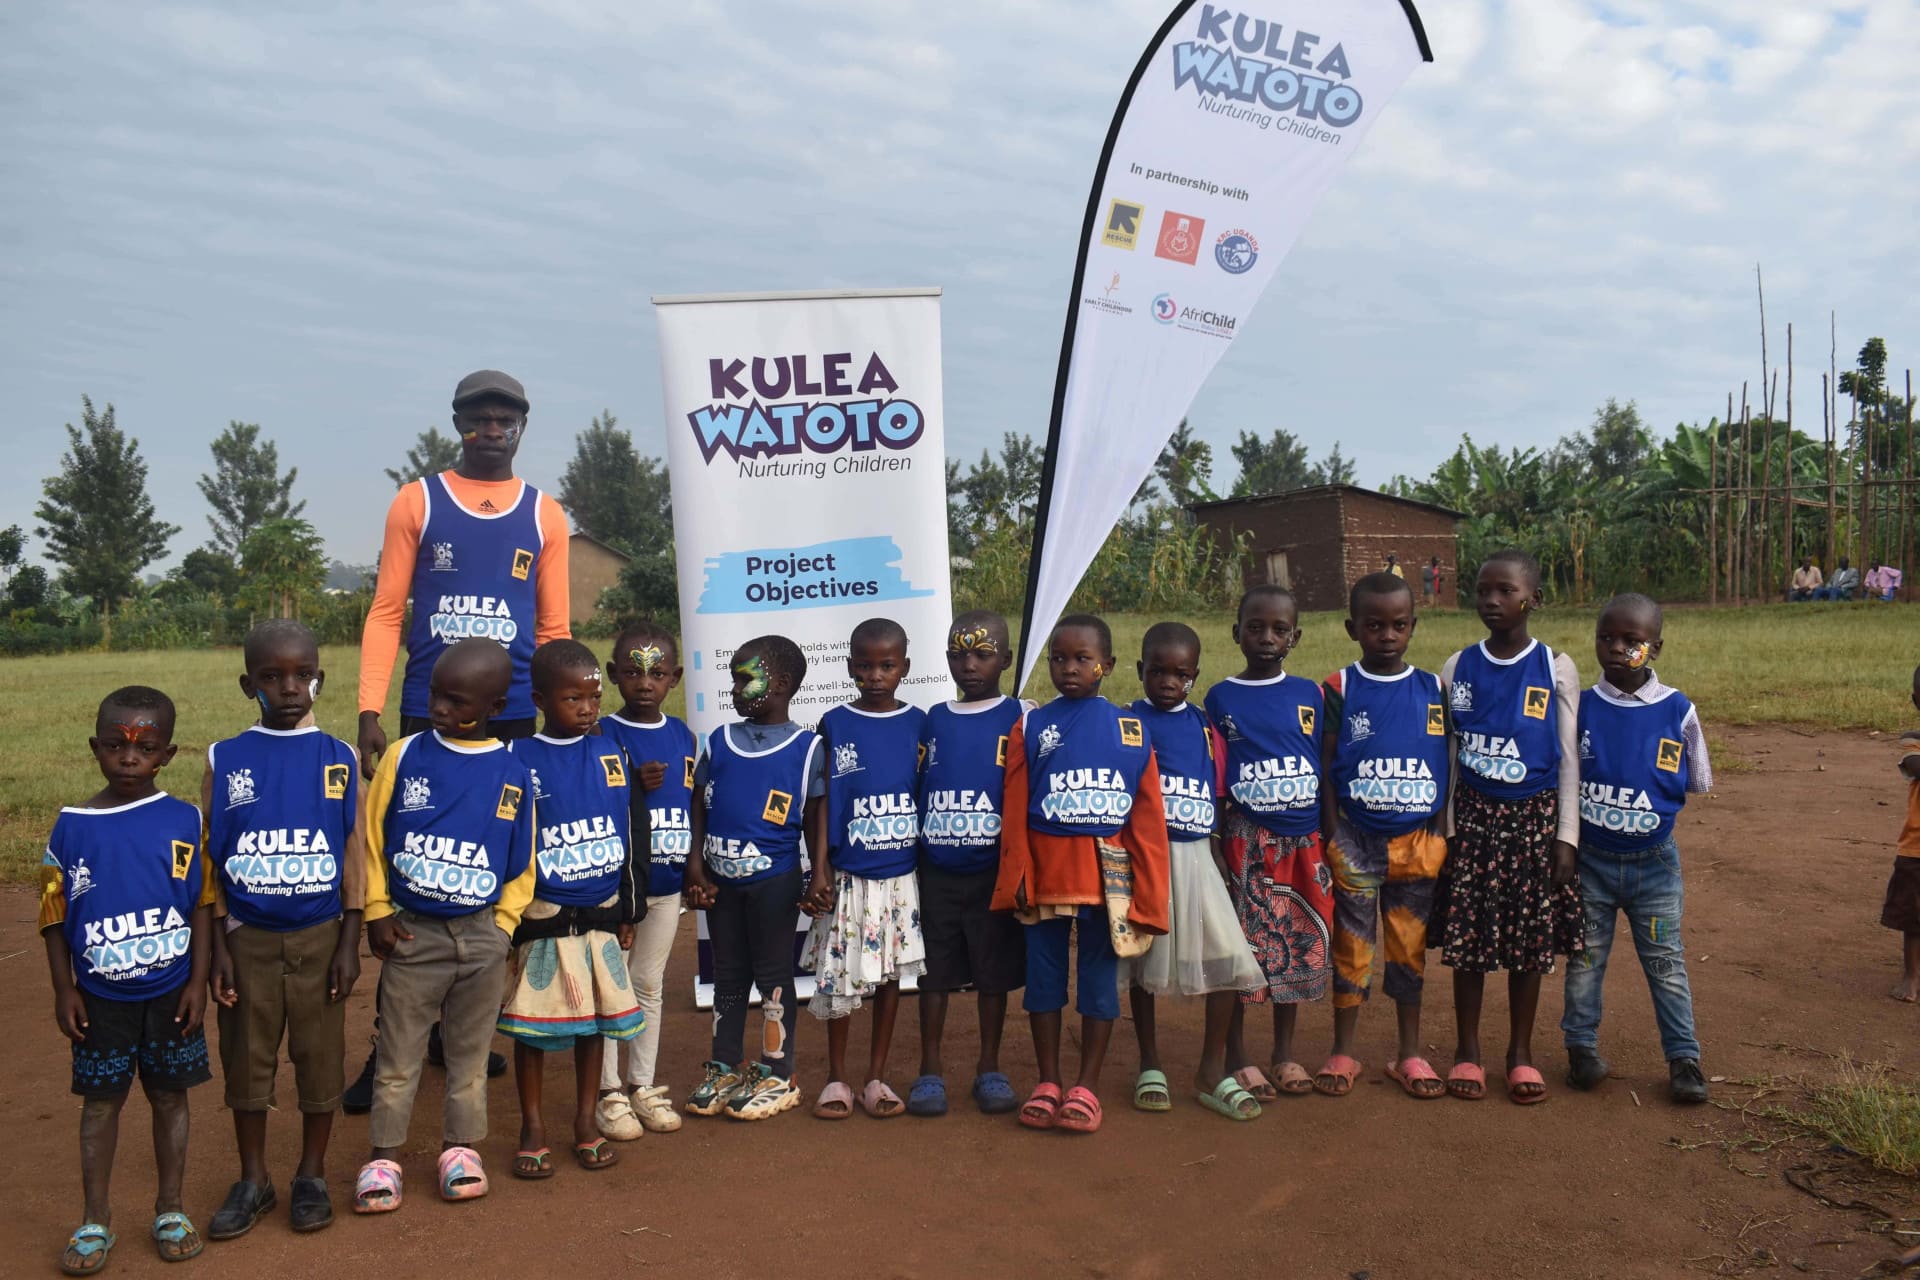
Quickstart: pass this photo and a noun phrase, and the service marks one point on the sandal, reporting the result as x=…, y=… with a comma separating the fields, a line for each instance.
x=880, y=1101
x=1525, y=1087
x=175, y=1238
x=1340, y=1071
x=595, y=1156
x=1150, y=1092
x=1467, y=1082
x=461, y=1174
x=377, y=1189
x=1080, y=1113
x=1230, y=1100
x=87, y=1249
x=927, y=1097
x=993, y=1094
x=655, y=1110
x=1042, y=1108
x=1255, y=1082
x=1293, y=1078
x=835, y=1102
x=1411, y=1072
x=533, y=1165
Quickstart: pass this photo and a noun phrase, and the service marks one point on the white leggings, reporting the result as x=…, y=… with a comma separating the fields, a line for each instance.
x=647, y=966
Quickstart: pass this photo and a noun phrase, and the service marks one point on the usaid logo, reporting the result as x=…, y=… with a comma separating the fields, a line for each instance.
x=1165, y=309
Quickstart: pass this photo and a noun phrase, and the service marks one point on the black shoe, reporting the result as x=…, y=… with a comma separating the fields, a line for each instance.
x=437, y=1055
x=1586, y=1068
x=496, y=1066
x=309, y=1207
x=246, y=1204
x=358, y=1099
x=1685, y=1082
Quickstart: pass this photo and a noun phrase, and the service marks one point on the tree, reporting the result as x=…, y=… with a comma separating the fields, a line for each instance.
x=27, y=588
x=245, y=488
x=283, y=560
x=433, y=451
x=616, y=495
x=97, y=520
x=1335, y=468
x=1185, y=466
x=1867, y=380
x=208, y=573
x=1277, y=464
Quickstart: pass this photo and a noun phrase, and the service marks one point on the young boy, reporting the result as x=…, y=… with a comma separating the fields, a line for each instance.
x=1902, y=908
x=281, y=803
x=758, y=785
x=1386, y=760
x=586, y=896
x=1642, y=752
x=1083, y=808
x=646, y=668
x=963, y=757
x=449, y=826
x=125, y=909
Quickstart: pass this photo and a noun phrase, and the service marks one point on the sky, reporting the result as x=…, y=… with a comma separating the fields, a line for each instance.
x=318, y=218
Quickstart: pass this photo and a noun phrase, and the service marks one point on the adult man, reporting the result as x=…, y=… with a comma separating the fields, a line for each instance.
x=1845, y=581
x=1806, y=580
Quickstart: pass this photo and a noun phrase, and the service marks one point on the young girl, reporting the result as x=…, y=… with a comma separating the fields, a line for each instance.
x=870, y=939
x=1276, y=860
x=1204, y=953
x=1512, y=901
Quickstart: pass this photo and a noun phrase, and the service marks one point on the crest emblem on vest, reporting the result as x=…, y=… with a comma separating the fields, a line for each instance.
x=1306, y=719
x=1130, y=732
x=509, y=807
x=522, y=563
x=1049, y=739
x=615, y=771
x=443, y=557
x=539, y=790
x=1462, y=695
x=1229, y=728
x=928, y=750
x=80, y=880
x=1668, y=758
x=779, y=805
x=1359, y=726
x=846, y=759
x=183, y=851
x=1436, y=720
x=333, y=781
x=415, y=793
x=239, y=787
x=1586, y=744
x=1537, y=702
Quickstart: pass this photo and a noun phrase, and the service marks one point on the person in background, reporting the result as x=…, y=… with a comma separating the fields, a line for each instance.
x=1393, y=566
x=1882, y=582
x=1845, y=581
x=1430, y=582
x=1806, y=580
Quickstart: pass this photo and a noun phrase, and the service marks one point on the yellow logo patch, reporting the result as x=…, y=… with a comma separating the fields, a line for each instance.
x=1537, y=702
x=616, y=772
x=183, y=851
x=1436, y=720
x=509, y=806
x=1131, y=734
x=1000, y=751
x=1668, y=757
x=522, y=563
x=689, y=760
x=1306, y=720
x=1122, y=230
x=333, y=778
x=779, y=805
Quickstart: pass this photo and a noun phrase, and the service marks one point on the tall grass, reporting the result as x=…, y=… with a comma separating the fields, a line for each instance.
x=1867, y=1111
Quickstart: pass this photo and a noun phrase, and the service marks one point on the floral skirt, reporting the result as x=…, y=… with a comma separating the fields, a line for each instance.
x=870, y=938
x=1501, y=908
x=1282, y=891
x=564, y=988
x=1204, y=948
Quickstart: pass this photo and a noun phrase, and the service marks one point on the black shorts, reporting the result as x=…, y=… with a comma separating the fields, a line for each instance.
x=968, y=944
x=1902, y=908
x=125, y=1034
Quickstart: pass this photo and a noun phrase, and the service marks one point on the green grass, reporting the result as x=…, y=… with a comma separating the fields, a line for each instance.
x=1820, y=666
x=1866, y=1111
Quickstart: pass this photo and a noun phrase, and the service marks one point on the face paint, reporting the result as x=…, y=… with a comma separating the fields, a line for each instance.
x=1638, y=655
x=1099, y=672
x=1186, y=688
x=594, y=676
x=649, y=659
x=313, y=689
x=130, y=732
x=755, y=691
x=468, y=724
x=978, y=639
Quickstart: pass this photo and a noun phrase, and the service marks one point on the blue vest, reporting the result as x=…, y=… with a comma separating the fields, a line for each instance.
x=1633, y=770
x=873, y=811
x=1272, y=729
x=1390, y=752
x=132, y=878
x=1183, y=750
x=1503, y=719
x=963, y=780
x=458, y=826
x=282, y=806
x=473, y=576
x=756, y=806
x=582, y=827
x=669, y=805
x=1085, y=759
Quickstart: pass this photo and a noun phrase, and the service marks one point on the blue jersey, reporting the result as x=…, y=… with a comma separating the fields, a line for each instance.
x=963, y=779
x=582, y=826
x=1390, y=753
x=669, y=805
x=1085, y=758
x=1503, y=720
x=458, y=824
x=280, y=806
x=756, y=806
x=873, y=775
x=1272, y=731
x=473, y=576
x=1633, y=769
x=1183, y=748
x=123, y=884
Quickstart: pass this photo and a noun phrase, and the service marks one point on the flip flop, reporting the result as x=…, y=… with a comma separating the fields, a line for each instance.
x=461, y=1175
x=1293, y=1079
x=1518, y=1076
x=1088, y=1118
x=880, y=1101
x=1467, y=1082
x=1255, y=1082
x=377, y=1189
x=1411, y=1071
x=1230, y=1100
x=1343, y=1071
x=175, y=1238
x=533, y=1165
x=87, y=1249
x=1150, y=1092
x=595, y=1156
x=1042, y=1109
x=834, y=1103
x=993, y=1094
x=927, y=1097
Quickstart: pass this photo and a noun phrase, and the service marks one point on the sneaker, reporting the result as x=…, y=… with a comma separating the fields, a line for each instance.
x=358, y=1099
x=613, y=1116
x=763, y=1096
x=1585, y=1068
x=1685, y=1082
x=654, y=1110
x=711, y=1095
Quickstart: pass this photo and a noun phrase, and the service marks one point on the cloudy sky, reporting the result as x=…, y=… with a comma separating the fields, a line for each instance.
x=318, y=218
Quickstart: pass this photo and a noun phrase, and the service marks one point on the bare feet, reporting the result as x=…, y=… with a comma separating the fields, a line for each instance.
x=1907, y=991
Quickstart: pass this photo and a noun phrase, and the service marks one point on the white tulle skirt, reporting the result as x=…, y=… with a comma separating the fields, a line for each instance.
x=1203, y=949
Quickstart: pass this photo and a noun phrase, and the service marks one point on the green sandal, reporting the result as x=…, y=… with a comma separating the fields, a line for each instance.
x=87, y=1250
x=175, y=1238
x=1150, y=1092
x=1230, y=1100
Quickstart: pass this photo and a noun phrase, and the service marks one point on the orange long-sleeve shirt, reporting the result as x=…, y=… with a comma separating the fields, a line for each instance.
x=380, y=640
x=1038, y=868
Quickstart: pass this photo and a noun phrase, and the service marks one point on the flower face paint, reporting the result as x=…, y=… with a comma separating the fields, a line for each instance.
x=313, y=689
x=978, y=639
x=1638, y=655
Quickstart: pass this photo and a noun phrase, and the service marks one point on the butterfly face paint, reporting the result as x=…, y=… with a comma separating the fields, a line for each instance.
x=976, y=639
x=1638, y=656
x=650, y=660
x=130, y=730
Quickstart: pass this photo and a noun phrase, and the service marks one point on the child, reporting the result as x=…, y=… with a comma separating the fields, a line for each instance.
x=1204, y=953
x=663, y=750
x=1082, y=802
x=1512, y=900
x=449, y=828
x=757, y=786
x=963, y=753
x=125, y=908
x=568, y=982
x=871, y=937
x=282, y=806
x=1902, y=908
x=1276, y=859
x=1641, y=752
x=1387, y=759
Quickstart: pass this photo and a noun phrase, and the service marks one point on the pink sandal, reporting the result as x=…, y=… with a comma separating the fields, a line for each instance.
x=461, y=1177
x=1089, y=1121
x=377, y=1189
x=1518, y=1076
x=1467, y=1082
x=1411, y=1071
x=1042, y=1108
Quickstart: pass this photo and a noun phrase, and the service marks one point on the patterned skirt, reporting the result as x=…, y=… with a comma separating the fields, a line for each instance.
x=1282, y=891
x=566, y=988
x=870, y=938
x=1502, y=911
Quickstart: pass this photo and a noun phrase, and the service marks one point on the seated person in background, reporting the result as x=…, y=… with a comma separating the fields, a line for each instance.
x=1806, y=580
x=1882, y=582
x=1845, y=581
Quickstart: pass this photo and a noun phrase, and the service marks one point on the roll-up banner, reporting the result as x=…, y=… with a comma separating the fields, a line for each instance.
x=806, y=448
x=1236, y=120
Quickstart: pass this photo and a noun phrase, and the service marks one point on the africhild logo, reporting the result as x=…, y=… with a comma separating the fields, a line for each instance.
x=1237, y=59
x=824, y=403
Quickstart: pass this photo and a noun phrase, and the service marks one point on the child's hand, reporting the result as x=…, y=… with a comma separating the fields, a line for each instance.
x=1566, y=860
x=818, y=900
x=652, y=774
x=699, y=892
x=192, y=1009
x=624, y=936
x=220, y=978
x=70, y=1013
x=344, y=970
x=384, y=934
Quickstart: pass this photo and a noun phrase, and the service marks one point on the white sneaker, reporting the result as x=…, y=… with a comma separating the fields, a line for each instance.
x=614, y=1116
x=654, y=1109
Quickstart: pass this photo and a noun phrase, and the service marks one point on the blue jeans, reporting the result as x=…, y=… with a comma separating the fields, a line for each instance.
x=1645, y=885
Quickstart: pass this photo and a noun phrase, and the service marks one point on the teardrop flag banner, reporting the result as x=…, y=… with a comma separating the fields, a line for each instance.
x=1234, y=123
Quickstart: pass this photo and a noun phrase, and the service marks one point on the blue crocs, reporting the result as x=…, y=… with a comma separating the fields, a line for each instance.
x=928, y=1097
x=994, y=1093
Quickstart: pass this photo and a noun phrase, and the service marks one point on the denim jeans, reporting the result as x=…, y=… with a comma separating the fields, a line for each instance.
x=1645, y=885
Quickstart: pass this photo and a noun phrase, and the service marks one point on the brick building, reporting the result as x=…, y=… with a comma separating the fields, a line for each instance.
x=592, y=567
x=1318, y=542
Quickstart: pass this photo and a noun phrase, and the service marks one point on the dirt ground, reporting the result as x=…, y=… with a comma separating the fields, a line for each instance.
x=1785, y=866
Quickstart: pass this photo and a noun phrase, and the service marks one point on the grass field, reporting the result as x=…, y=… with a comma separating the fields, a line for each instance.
x=1818, y=666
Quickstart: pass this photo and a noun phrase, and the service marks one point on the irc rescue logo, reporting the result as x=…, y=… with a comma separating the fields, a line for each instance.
x=779, y=805
x=689, y=760
x=1179, y=237
x=616, y=773
x=333, y=781
x=1306, y=720
x=1000, y=751
x=1436, y=720
x=1668, y=759
x=1122, y=230
x=522, y=563
x=1130, y=733
x=509, y=807
x=183, y=851
x=1537, y=702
